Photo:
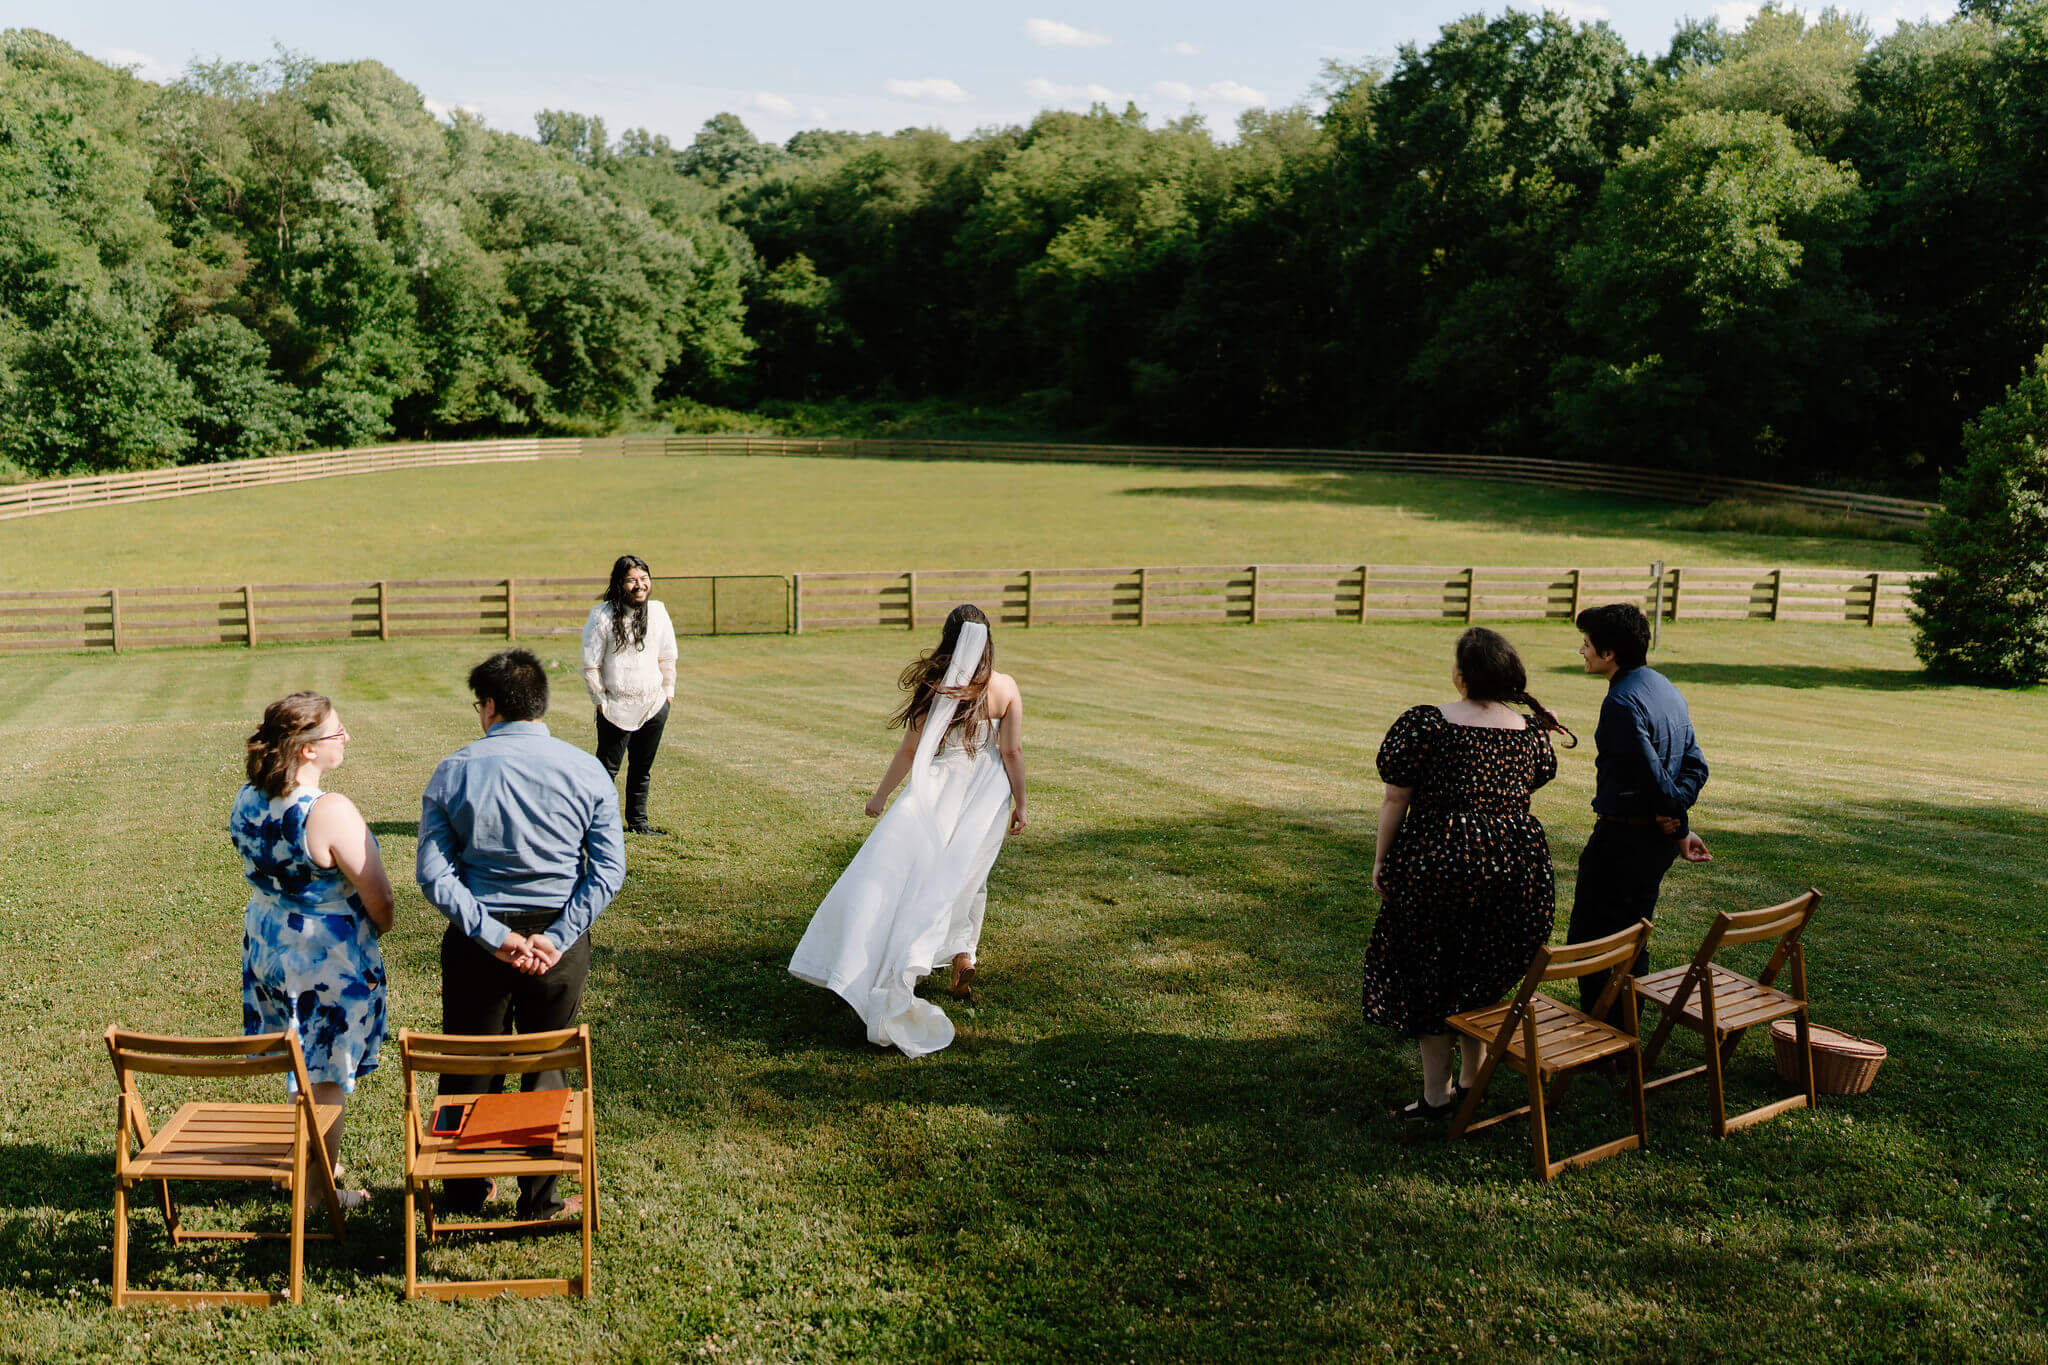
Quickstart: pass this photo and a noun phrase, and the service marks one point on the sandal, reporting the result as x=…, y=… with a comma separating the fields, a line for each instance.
x=963, y=980
x=1422, y=1111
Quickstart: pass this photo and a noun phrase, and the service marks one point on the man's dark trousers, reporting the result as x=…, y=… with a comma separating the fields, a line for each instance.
x=636, y=749
x=480, y=994
x=1620, y=871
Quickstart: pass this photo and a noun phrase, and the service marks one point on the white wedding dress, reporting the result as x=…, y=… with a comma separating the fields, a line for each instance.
x=914, y=895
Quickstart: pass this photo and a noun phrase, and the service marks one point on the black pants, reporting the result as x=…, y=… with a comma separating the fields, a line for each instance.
x=1620, y=871
x=480, y=994
x=636, y=748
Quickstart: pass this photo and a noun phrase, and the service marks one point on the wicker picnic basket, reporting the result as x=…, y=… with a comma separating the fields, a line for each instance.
x=1842, y=1064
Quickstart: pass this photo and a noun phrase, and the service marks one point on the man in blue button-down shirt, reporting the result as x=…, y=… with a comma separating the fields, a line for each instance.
x=1648, y=771
x=520, y=847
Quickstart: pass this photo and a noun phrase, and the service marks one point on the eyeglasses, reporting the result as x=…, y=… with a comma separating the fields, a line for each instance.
x=477, y=706
x=341, y=735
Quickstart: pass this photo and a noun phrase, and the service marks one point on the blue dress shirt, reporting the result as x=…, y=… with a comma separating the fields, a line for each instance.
x=1649, y=762
x=520, y=822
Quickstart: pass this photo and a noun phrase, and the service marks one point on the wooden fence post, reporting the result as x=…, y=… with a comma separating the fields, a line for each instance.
x=383, y=609
x=1471, y=592
x=1141, y=595
x=511, y=609
x=1578, y=584
x=1675, y=576
x=1027, y=598
x=1255, y=594
x=1656, y=600
x=1364, y=581
x=714, y=604
x=249, y=612
x=114, y=609
x=796, y=604
x=910, y=586
x=1873, y=601
x=1777, y=591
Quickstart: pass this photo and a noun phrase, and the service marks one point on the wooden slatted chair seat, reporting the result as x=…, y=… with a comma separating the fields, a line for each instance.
x=207, y=1140
x=438, y=1158
x=1721, y=1005
x=1566, y=1038
x=1739, y=1002
x=430, y=1156
x=1544, y=1038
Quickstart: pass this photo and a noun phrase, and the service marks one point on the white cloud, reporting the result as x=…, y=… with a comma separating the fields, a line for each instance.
x=936, y=89
x=142, y=64
x=768, y=102
x=447, y=111
x=1218, y=92
x=1736, y=14
x=1182, y=49
x=1230, y=92
x=1052, y=33
x=1579, y=11
x=1044, y=91
x=819, y=114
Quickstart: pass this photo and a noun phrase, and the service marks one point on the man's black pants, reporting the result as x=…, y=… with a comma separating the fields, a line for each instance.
x=480, y=994
x=636, y=748
x=1620, y=871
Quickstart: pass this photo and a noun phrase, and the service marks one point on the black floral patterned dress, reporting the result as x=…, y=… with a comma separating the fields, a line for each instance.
x=1470, y=895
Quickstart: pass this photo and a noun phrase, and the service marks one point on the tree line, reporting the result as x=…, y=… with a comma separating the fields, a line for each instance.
x=1792, y=250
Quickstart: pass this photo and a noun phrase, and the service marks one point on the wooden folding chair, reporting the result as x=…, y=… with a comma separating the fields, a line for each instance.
x=430, y=1157
x=283, y=1142
x=1542, y=1037
x=1721, y=1012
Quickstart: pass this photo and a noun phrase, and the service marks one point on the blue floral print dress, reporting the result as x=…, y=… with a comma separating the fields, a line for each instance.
x=310, y=962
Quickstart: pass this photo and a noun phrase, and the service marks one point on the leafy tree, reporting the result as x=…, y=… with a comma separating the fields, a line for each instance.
x=87, y=394
x=1710, y=296
x=240, y=409
x=578, y=136
x=1803, y=70
x=1464, y=178
x=1983, y=612
x=725, y=151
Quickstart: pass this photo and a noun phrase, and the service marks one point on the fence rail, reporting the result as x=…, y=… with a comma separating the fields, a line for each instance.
x=250, y=614
x=512, y=608
x=56, y=495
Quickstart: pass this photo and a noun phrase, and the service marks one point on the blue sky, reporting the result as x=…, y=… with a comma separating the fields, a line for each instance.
x=802, y=64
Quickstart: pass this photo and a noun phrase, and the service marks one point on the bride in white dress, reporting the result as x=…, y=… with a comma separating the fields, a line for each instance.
x=912, y=899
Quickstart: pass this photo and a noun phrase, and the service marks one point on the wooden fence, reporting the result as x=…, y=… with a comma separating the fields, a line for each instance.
x=726, y=604
x=388, y=609
x=55, y=495
x=1364, y=593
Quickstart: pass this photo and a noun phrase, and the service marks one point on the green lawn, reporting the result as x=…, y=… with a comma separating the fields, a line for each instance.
x=1164, y=1131
x=698, y=515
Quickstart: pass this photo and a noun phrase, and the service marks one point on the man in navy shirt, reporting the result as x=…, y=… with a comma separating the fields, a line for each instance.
x=520, y=847
x=1648, y=772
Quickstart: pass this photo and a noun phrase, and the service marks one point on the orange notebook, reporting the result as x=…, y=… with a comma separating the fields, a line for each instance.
x=524, y=1118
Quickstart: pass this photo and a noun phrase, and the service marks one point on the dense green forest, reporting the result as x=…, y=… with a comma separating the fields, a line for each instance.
x=1794, y=250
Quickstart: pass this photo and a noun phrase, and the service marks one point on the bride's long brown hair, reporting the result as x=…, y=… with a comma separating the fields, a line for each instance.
x=924, y=681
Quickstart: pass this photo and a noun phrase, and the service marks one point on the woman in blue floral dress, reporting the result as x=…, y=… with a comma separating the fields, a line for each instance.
x=318, y=900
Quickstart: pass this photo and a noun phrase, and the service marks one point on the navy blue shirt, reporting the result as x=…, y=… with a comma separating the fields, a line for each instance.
x=1648, y=762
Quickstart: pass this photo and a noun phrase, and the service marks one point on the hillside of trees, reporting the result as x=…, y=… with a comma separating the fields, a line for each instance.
x=1794, y=251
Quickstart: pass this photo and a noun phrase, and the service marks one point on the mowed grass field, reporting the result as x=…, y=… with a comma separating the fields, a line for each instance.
x=1164, y=1131
x=704, y=514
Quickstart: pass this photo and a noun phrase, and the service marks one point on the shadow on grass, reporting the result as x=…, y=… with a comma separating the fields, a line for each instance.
x=398, y=829
x=1802, y=677
x=1513, y=508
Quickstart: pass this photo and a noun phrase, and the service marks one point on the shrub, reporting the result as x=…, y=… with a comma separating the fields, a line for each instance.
x=1983, y=612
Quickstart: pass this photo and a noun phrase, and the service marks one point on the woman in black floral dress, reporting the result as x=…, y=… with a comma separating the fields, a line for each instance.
x=1462, y=867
